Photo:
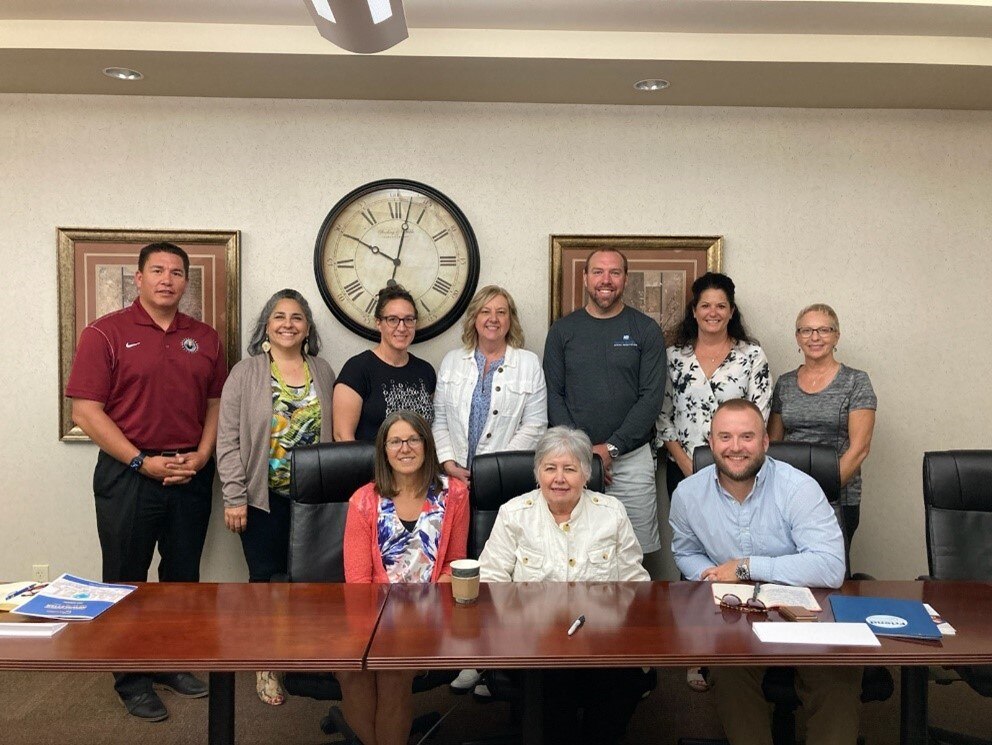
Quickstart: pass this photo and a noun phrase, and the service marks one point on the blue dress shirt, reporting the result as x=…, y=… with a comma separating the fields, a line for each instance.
x=785, y=526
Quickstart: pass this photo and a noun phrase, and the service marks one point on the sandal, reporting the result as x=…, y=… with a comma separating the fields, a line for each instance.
x=695, y=678
x=269, y=689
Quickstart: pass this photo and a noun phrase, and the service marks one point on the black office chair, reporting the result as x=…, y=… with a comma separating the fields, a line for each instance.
x=778, y=685
x=322, y=479
x=499, y=477
x=957, y=496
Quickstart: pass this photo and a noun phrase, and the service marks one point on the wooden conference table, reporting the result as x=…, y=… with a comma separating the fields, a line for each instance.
x=223, y=628
x=215, y=628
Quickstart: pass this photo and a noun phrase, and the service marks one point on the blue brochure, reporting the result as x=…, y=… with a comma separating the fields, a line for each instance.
x=906, y=619
x=71, y=598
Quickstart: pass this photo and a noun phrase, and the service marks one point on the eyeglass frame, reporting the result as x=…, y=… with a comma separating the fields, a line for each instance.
x=393, y=322
x=396, y=444
x=806, y=332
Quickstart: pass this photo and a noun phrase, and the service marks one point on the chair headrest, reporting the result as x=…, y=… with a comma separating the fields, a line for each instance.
x=330, y=471
x=499, y=477
x=818, y=461
x=958, y=480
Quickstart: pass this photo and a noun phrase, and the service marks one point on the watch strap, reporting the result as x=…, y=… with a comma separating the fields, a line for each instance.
x=136, y=462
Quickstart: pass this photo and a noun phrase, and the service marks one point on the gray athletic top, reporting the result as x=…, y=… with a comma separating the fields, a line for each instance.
x=822, y=417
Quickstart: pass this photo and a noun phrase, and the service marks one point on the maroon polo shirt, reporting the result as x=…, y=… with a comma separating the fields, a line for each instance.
x=154, y=384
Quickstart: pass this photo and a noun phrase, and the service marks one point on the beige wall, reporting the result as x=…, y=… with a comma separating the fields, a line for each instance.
x=884, y=214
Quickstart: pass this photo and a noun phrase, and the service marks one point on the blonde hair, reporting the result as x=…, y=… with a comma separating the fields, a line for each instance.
x=470, y=337
x=819, y=308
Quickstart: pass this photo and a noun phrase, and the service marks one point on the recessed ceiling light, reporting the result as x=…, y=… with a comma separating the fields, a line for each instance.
x=122, y=73
x=651, y=84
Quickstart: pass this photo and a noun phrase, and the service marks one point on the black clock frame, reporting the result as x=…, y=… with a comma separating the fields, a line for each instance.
x=449, y=318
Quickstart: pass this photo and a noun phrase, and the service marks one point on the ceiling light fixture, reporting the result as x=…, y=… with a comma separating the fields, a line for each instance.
x=122, y=73
x=363, y=26
x=651, y=84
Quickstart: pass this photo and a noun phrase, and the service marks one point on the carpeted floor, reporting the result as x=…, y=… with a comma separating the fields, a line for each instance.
x=46, y=708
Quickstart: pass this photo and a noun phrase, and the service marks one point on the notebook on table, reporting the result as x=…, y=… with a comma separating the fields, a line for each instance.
x=895, y=617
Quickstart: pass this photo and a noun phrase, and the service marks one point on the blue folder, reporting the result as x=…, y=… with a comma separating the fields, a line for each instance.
x=906, y=619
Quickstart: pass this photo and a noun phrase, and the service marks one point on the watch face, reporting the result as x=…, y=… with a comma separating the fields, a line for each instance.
x=403, y=232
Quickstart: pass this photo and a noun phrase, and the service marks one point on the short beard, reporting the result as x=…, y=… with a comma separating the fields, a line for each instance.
x=599, y=303
x=747, y=474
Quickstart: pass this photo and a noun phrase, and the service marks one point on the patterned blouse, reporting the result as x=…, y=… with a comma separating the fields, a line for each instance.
x=409, y=555
x=295, y=421
x=482, y=397
x=691, y=398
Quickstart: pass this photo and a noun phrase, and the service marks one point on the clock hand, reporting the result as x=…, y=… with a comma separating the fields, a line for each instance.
x=396, y=261
x=373, y=249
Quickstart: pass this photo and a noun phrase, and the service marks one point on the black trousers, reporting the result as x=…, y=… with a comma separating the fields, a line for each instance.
x=590, y=705
x=265, y=540
x=133, y=514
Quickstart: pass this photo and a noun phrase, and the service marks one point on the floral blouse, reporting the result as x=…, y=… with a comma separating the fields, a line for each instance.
x=691, y=398
x=409, y=555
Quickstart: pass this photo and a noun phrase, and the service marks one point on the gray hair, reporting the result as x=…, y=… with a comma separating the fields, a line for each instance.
x=258, y=334
x=564, y=441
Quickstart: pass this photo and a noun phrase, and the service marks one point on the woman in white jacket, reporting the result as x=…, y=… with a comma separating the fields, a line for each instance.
x=490, y=393
x=490, y=396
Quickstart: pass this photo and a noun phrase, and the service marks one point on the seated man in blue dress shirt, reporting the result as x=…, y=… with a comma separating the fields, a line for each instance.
x=750, y=517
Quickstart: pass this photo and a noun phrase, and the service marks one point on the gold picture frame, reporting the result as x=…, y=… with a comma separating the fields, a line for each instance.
x=661, y=270
x=96, y=276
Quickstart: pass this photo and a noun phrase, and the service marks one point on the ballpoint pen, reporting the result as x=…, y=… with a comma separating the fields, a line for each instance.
x=23, y=590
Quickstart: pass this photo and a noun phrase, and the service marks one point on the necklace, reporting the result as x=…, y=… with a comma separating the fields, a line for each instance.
x=285, y=389
x=813, y=381
x=721, y=352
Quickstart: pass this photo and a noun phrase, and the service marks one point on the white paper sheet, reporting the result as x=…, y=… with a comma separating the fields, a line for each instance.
x=844, y=634
x=31, y=629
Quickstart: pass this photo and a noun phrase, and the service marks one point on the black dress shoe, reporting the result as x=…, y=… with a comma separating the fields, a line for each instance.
x=181, y=684
x=147, y=706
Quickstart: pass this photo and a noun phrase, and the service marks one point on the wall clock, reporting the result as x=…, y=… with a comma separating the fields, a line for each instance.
x=400, y=231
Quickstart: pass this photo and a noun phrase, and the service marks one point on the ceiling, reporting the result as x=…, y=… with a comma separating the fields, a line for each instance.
x=805, y=53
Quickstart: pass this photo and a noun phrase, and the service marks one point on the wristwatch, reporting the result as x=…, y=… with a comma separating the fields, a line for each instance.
x=613, y=450
x=744, y=569
x=136, y=461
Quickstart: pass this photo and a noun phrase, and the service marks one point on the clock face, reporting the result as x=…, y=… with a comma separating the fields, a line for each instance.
x=396, y=231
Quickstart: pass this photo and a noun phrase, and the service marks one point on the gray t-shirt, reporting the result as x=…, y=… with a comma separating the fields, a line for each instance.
x=606, y=376
x=822, y=417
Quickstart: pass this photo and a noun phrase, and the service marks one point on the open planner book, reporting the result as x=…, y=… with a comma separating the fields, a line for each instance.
x=772, y=596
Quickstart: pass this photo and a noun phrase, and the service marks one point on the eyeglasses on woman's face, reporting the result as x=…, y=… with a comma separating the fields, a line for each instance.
x=805, y=332
x=395, y=444
x=394, y=321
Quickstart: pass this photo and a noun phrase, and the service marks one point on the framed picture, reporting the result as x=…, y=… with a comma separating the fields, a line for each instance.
x=660, y=271
x=96, y=271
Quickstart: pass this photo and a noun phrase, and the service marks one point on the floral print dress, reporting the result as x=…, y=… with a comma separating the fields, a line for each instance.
x=691, y=398
x=410, y=555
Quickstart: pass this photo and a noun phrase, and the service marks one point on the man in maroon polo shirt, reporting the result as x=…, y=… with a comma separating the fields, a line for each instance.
x=145, y=386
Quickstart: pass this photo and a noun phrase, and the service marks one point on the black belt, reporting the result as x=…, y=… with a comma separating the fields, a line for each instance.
x=176, y=451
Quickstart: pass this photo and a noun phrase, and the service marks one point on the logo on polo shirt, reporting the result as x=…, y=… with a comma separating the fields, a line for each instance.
x=190, y=345
x=131, y=344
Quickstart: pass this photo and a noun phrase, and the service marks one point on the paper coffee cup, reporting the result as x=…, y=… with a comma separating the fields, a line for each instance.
x=465, y=580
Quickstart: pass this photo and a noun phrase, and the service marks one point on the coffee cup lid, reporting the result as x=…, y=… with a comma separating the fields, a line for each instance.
x=466, y=568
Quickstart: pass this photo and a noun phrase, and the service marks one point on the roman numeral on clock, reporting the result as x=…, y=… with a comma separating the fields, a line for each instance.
x=371, y=306
x=447, y=260
x=354, y=290
x=396, y=209
x=367, y=214
x=439, y=236
x=441, y=285
x=345, y=264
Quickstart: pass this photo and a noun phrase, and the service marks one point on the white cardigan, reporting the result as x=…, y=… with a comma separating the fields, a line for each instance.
x=518, y=413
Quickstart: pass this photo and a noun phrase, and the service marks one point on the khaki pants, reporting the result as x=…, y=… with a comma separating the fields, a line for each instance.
x=831, y=697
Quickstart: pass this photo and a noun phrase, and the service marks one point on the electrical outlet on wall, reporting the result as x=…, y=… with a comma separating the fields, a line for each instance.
x=39, y=572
